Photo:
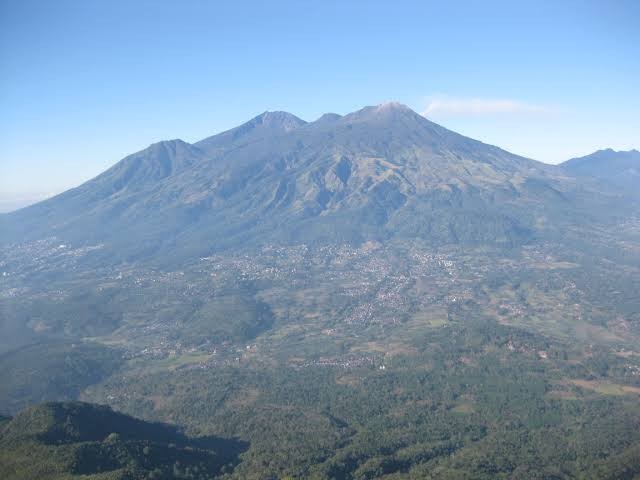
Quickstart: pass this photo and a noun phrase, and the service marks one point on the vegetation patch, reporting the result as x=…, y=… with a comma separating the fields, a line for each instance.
x=606, y=387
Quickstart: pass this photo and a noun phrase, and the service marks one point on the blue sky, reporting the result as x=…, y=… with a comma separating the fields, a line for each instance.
x=84, y=83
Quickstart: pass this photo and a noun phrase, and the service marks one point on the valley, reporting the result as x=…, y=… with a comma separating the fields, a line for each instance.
x=435, y=339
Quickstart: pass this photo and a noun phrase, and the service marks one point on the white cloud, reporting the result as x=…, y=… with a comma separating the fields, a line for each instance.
x=440, y=106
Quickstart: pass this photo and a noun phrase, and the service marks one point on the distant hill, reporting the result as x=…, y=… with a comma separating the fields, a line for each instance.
x=62, y=440
x=383, y=172
x=618, y=168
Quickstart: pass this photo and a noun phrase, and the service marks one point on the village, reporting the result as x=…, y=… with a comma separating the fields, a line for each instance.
x=349, y=289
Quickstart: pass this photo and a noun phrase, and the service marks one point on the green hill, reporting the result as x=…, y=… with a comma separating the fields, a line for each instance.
x=81, y=440
x=56, y=370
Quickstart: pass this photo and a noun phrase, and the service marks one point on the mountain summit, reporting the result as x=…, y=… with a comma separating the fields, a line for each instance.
x=264, y=125
x=619, y=169
x=382, y=172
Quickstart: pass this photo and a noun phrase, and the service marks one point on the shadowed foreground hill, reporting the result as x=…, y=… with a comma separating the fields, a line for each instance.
x=51, y=371
x=69, y=440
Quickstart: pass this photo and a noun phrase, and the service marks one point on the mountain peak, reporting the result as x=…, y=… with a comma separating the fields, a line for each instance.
x=281, y=120
x=328, y=118
x=383, y=111
x=170, y=145
x=393, y=106
x=619, y=168
x=265, y=124
x=603, y=155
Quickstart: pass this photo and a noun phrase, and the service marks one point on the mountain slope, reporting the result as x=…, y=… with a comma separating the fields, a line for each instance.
x=379, y=173
x=621, y=169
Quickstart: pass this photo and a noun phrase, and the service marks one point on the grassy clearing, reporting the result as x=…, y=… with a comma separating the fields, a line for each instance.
x=463, y=407
x=172, y=362
x=605, y=387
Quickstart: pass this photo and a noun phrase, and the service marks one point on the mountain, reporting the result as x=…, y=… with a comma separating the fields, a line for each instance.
x=62, y=440
x=357, y=297
x=621, y=169
x=380, y=173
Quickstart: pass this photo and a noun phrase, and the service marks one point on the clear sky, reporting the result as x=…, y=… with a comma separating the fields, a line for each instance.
x=83, y=83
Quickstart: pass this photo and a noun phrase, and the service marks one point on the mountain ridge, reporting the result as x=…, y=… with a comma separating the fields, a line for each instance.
x=380, y=172
x=617, y=169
